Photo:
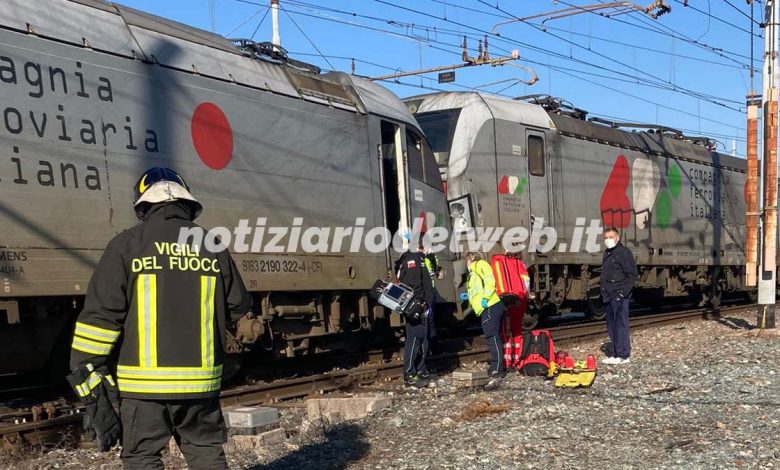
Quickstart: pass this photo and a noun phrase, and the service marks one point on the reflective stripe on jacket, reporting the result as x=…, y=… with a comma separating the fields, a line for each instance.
x=431, y=270
x=481, y=285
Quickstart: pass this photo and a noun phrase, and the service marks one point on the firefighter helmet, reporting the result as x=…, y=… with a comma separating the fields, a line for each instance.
x=159, y=185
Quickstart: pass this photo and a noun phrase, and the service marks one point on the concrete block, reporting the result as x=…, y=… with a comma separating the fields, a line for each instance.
x=344, y=409
x=253, y=443
x=273, y=436
x=243, y=443
x=470, y=378
x=470, y=383
x=469, y=374
x=252, y=417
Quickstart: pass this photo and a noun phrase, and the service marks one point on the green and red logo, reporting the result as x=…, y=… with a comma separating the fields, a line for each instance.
x=651, y=199
x=513, y=185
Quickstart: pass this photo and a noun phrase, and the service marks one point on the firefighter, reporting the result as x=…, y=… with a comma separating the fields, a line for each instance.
x=411, y=270
x=163, y=306
x=487, y=306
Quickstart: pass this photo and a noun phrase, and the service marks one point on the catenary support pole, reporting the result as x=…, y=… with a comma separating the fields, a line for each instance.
x=751, y=191
x=766, y=281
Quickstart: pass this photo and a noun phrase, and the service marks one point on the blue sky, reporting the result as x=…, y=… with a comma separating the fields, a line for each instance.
x=687, y=69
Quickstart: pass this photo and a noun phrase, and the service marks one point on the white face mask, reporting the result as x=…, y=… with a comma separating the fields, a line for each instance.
x=610, y=243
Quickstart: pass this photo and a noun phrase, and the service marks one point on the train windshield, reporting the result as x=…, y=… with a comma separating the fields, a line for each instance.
x=439, y=128
x=422, y=164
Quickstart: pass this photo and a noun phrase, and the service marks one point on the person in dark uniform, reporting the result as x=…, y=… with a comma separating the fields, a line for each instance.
x=411, y=270
x=433, y=266
x=618, y=275
x=164, y=306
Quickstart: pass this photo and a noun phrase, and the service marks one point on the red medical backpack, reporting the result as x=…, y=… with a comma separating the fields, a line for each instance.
x=537, y=352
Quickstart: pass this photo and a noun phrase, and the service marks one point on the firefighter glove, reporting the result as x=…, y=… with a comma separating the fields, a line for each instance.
x=98, y=391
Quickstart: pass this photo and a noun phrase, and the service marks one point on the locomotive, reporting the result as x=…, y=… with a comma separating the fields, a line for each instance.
x=540, y=162
x=93, y=93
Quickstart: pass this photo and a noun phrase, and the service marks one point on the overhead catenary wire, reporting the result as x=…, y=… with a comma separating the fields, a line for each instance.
x=260, y=23
x=724, y=136
x=709, y=21
x=500, y=93
x=662, y=29
x=712, y=17
x=565, y=72
x=307, y=37
x=672, y=87
x=457, y=32
x=606, y=57
x=649, y=49
x=455, y=46
x=607, y=77
x=640, y=79
x=450, y=48
x=503, y=39
x=650, y=27
x=750, y=17
x=611, y=41
x=247, y=20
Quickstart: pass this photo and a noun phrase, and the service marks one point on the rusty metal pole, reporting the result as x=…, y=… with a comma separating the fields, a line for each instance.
x=751, y=191
x=766, y=282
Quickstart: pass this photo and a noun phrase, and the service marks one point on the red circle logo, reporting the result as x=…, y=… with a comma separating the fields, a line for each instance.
x=212, y=136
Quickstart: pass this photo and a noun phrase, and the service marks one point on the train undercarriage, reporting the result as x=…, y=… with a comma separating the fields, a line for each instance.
x=563, y=288
x=35, y=333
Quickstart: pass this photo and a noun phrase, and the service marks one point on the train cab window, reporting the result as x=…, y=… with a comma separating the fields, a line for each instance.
x=418, y=150
x=536, y=155
x=439, y=128
x=431, y=168
x=414, y=156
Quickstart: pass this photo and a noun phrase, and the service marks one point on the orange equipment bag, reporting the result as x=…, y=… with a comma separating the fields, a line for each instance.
x=512, y=282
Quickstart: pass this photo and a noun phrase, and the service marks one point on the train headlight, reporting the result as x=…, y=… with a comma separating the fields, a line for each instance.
x=462, y=213
x=460, y=224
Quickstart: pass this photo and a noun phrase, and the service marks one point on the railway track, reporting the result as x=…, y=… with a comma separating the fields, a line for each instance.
x=331, y=381
x=38, y=425
x=48, y=422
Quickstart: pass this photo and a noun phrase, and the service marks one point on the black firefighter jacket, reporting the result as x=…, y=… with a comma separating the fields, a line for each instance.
x=618, y=273
x=164, y=305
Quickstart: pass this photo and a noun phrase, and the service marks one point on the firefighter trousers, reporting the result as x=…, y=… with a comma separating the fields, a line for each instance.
x=196, y=425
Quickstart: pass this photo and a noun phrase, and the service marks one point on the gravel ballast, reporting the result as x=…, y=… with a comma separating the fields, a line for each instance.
x=699, y=394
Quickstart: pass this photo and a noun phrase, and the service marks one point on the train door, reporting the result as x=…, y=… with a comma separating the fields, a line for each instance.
x=394, y=180
x=538, y=189
x=512, y=176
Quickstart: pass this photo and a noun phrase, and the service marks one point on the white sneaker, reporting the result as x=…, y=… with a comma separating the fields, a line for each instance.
x=494, y=383
x=622, y=361
x=611, y=360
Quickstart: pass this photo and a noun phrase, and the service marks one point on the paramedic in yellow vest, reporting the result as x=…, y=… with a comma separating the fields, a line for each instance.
x=489, y=309
x=157, y=309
